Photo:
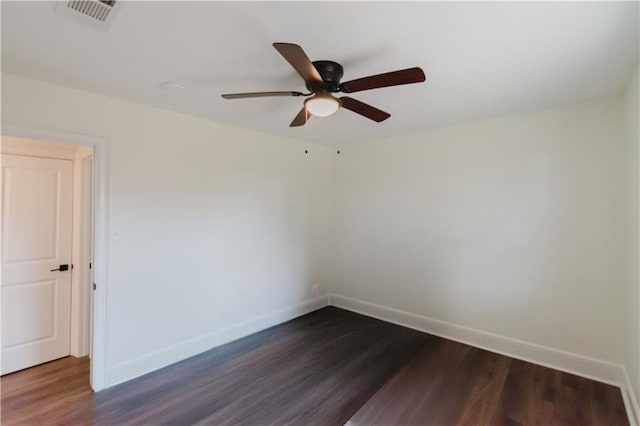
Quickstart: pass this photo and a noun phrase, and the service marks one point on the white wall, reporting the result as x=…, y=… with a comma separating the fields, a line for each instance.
x=217, y=225
x=632, y=155
x=512, y=226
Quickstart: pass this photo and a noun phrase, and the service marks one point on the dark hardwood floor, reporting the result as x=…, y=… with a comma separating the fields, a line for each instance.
x=456, y=384
x=326, y=368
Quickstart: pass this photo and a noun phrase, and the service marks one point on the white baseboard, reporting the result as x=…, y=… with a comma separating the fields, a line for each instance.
x=127, y=370
x=560, y=360
x=630, y=401
x=595, y=369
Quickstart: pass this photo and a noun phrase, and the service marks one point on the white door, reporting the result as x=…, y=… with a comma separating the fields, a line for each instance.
x=36, y=239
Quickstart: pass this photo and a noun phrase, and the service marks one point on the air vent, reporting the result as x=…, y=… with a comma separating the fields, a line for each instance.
x=95, y=13
x=99, y=9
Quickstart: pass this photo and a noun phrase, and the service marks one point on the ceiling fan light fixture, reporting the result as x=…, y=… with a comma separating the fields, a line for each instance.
x=322, y=105
x=322, y=80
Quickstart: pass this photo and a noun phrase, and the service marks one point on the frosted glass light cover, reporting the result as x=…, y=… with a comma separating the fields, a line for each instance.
x=322, y=106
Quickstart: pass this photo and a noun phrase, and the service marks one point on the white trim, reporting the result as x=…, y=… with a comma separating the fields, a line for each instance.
x=590, y=368
x=130, y=369
x=80, y=286
x=630, y=401
x=84, y=241
x=101, y=242
x=31, y=148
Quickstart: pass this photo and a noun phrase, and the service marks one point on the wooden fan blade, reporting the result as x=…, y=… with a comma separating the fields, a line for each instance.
x=259, y=95
x=363, y=109
x=301, y=118
x=299, y=61
x=395, y=78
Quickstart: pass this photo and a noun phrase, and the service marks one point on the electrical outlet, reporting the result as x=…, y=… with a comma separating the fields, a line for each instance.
x=315, y=288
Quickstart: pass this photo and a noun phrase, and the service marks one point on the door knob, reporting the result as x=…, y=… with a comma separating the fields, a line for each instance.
x=61, y=268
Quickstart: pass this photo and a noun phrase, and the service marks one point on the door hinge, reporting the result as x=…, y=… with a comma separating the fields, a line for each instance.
x=89, y=265
x=94, y=286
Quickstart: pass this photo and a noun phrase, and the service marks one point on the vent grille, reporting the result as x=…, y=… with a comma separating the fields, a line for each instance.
x=96, y=9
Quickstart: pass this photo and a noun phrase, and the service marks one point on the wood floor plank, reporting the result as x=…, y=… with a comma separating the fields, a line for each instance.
x=483, y=398
x=325, y=368
x=605, y=405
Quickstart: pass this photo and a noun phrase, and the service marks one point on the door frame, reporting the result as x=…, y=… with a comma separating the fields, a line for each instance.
x=101, y=246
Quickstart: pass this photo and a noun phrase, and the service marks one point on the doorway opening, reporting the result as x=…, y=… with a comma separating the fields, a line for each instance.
x=53, y=215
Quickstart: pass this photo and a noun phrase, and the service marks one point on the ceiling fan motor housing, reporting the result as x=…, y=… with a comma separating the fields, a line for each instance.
x=331, y=73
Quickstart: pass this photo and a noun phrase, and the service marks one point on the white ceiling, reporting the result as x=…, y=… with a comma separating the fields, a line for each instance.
x=482, y=60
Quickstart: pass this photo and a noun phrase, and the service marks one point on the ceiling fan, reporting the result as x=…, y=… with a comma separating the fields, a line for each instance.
x=322, y=79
